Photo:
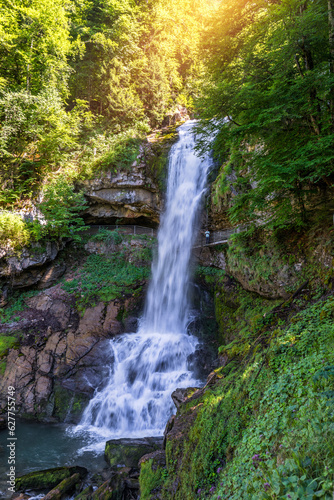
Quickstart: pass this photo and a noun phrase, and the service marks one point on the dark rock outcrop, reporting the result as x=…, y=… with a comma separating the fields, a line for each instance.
x=131, y=195
x=129, y=451
x=62, y=357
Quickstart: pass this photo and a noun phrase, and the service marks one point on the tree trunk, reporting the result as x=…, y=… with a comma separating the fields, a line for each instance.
x=66, y=485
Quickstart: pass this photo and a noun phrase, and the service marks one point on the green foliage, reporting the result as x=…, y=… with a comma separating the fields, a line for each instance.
x=35, y=44
x=150, y=479
x=81, y=83
x=13, y=230
x=209, y=274
x=60, y=207
x=265, y=430
x=105, y=278
x=36, y=135
x=110, y=237
x=140, y=54
x=116, y=152
x=268, y=72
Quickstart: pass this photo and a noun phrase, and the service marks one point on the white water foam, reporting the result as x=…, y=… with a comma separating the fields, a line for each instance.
x=149, y=365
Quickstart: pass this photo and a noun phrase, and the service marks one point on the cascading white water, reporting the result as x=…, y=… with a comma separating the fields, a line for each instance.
x=148, y=365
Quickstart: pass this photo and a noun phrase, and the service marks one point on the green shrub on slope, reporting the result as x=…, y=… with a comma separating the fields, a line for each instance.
x=265, y=430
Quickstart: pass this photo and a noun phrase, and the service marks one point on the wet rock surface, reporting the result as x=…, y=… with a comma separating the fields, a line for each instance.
x=49, y=478
x=76, y=483
x=128, y=452
x=180, y=396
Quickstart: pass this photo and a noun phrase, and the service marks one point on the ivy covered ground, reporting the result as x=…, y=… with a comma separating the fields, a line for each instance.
x=265, y=428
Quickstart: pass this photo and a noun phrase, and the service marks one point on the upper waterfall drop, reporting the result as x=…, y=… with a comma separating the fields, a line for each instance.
x=167, y=306
x=147, y=366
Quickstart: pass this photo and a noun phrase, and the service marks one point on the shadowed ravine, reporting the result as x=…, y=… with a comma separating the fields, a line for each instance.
x=148, y=365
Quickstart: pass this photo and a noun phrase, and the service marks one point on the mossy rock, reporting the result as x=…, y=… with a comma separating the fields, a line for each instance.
x=47, y=479
x=151, y=479
x=129, y=451
x=68, y=404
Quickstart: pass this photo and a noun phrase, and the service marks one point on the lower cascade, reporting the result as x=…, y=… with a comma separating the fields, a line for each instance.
x=147, y=366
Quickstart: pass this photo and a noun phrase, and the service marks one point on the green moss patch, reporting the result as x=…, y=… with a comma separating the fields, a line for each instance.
x=48, y=478
x=68, y=403
x=151, y=479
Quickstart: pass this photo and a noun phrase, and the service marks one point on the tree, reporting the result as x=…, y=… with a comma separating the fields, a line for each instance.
x=272, y=81
x=34, y=45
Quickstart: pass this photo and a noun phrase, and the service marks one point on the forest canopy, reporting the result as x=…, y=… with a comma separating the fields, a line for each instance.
x=81, y=79
x=270, y=75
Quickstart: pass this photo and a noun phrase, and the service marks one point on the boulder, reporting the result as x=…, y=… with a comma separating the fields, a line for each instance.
x=127, y=452
x=180, y=396
x=158, y=458
x=65, y=486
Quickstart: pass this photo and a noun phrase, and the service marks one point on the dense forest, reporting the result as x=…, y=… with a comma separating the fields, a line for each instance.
x=82, y=85
x=81, y=82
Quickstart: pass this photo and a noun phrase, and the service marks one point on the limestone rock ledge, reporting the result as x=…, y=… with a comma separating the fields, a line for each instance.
x=33, y=265
x=131, y=194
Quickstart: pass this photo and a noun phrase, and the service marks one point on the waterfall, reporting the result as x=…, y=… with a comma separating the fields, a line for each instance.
x=148, y=365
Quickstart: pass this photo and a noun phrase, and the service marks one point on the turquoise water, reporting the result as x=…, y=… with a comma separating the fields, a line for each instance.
x=42, y=446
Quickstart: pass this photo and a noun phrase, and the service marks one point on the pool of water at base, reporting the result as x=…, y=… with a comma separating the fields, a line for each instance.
x=41, y=446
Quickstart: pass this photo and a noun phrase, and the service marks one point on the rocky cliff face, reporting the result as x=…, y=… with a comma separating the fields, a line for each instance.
x=61, y=357
x=132, y=195
x=271, y=267
x=57, y=339
x=128, y=196
x=32, y=266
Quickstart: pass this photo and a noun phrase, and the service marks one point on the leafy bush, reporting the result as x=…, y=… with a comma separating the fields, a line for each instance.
x=60, y=206
x=14, y=231
x=36, y=134
x=110, y=237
